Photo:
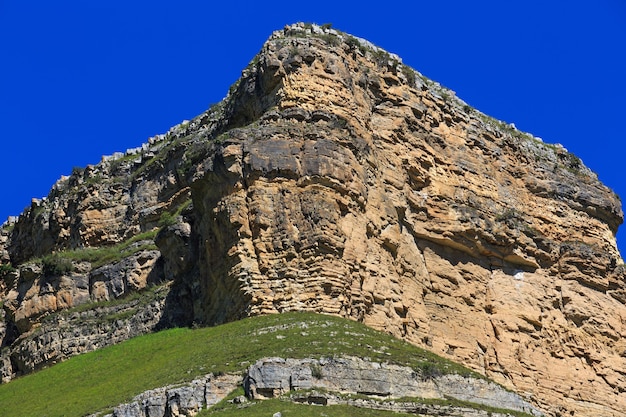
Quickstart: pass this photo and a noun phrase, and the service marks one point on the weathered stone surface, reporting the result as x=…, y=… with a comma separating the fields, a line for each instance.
x=174, y=243
x=408, y=210
x=273, y=377
x=64, y=335
x=383, y=383
x=34, y=294
x=130, y=274
x=37, y=295
x=5, y=232
x=181, y=400
x=101, y=205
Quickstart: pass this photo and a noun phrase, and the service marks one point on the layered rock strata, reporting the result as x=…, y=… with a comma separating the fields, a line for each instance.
x=335, y=179
x=375, y=195
x=273, y=377
x=181, y=400
x=332, y=381
x=69, y=333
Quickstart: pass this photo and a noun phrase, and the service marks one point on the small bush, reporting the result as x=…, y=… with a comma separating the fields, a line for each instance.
x=171, y=218
x=572, y=162
x=6, y=269
x=167, y=219
x=429, y=370
x=330, y=39
x=316, y=371
x=55, y=265
x=354, y=44
x=410, y=75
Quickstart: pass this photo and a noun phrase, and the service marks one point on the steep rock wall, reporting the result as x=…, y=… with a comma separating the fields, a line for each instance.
x=371, y=193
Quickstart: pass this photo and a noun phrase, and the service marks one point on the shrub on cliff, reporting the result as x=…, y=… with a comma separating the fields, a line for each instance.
x=6, y=269
x=55, y=265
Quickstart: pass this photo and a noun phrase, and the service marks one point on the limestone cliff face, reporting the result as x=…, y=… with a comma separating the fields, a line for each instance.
x=335, y=179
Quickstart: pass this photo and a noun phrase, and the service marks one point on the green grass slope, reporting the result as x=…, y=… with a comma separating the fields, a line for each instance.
x=105, y=378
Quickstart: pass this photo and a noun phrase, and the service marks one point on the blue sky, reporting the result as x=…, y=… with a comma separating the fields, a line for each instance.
x=82, y=79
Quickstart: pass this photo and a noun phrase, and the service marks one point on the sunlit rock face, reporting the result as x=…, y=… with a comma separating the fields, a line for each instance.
x=353, y=186
x=335, y=179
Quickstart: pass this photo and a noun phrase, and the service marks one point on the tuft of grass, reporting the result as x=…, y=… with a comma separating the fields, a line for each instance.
x=8, y=227
x=354, y=44
x=105, y=378
x=6, y=269
x=170, y=218
x=55, y=264
x=316, y=371
x=167, y=219
x=409, y=74
x=163, y=155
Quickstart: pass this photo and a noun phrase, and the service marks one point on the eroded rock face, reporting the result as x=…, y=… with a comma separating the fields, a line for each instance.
x=368, y=192
x=60, y=336
x=181, y=400
x=335, y=179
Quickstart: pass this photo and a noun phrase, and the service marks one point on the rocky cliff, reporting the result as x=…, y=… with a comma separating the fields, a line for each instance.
x=333, y=178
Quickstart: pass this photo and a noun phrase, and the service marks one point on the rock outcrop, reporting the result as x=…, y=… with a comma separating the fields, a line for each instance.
x=69, y=333
x=332, y=381
x=273, y=377
x=180, y=400
x=335, y=179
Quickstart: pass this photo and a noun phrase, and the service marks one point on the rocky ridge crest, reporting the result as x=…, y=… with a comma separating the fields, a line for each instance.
x=333, y=178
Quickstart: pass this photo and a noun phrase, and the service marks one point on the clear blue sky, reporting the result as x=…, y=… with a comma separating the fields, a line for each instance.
x=81, y=79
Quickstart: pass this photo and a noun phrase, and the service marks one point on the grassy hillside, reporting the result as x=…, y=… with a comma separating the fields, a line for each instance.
x=99, y=380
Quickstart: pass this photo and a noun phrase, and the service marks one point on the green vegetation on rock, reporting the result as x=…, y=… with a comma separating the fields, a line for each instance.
x=132, y=299
x=59, y=263
x=6, y=269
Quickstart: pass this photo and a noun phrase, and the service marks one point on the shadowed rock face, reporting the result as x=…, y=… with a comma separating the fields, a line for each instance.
x=335, y=179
